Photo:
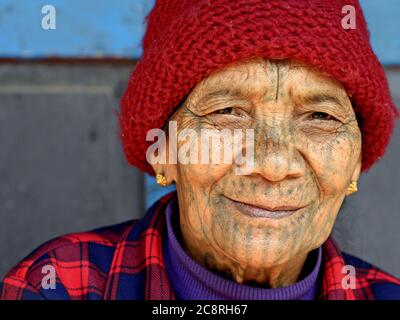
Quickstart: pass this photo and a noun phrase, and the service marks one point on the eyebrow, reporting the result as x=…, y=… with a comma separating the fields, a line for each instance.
x=221, y=93
x=321, y=98
x=313, y=98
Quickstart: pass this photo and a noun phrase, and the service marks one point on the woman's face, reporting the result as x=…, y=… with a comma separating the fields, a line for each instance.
x=307, y=150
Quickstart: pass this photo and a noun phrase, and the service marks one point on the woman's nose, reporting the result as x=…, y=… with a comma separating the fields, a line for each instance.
x=275, y=152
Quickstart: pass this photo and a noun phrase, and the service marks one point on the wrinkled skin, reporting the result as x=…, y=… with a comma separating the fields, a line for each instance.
x=307, y=151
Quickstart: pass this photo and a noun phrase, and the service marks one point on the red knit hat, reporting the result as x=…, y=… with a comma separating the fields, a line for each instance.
x=186, y=40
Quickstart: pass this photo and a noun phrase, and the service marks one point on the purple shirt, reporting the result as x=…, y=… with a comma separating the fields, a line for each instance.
x=192, y=281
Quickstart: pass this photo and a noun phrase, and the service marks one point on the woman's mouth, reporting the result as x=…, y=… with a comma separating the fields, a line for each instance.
x=265, y=212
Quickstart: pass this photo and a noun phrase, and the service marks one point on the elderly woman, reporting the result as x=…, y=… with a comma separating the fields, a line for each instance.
x=312, y=105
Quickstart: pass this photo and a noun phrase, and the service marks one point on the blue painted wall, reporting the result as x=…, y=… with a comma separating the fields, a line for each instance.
x=383, y=18
x=84, y=28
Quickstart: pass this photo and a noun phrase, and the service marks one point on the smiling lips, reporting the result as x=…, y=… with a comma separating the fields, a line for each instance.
x=264, y=212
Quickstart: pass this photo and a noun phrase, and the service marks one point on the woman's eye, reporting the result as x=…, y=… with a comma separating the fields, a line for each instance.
x=322, y=116
x=225, y=111
x=229, y=113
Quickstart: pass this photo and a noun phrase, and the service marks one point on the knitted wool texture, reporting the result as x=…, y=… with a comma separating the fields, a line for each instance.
x=186, y=40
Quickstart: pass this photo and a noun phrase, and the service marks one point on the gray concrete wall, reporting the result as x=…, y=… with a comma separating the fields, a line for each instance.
x=62, y=168
x=61, y=164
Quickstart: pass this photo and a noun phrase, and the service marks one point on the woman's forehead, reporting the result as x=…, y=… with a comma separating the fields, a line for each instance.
x=260, y=76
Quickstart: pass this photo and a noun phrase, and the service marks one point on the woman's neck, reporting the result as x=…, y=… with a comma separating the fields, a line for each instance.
x=266, y=276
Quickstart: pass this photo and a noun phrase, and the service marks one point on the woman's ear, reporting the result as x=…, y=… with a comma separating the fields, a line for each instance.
x=357, y=171
x=160, y=161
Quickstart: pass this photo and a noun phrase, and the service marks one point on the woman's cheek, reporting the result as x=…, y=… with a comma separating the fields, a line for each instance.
x=201, y=161
x=332, y=159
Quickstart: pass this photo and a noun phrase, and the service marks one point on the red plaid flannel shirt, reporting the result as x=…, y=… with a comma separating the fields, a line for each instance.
x=125, y=262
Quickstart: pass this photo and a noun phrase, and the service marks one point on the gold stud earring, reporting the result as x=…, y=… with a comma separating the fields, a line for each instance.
x=352, y=188
x=161, y=180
